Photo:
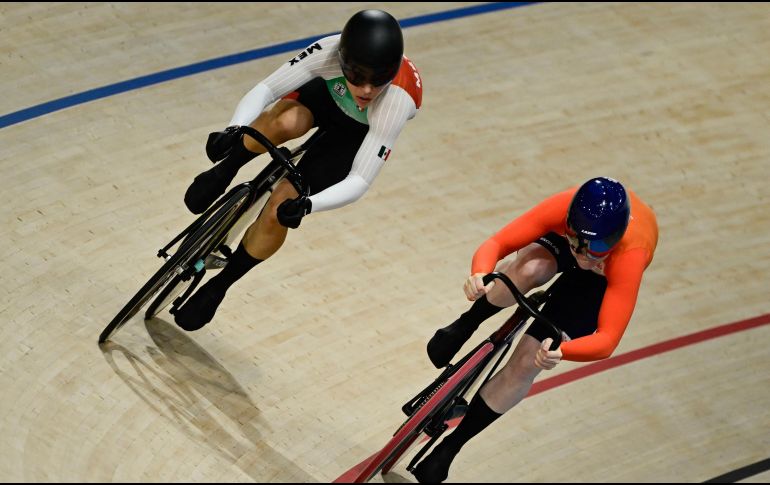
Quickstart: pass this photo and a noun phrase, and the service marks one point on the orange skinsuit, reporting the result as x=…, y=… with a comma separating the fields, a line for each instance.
x=623, y=267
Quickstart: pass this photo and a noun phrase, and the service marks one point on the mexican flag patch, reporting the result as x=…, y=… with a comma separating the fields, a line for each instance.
x=384, y=153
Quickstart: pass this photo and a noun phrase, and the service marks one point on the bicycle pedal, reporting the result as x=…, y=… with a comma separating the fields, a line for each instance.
x=434, y=430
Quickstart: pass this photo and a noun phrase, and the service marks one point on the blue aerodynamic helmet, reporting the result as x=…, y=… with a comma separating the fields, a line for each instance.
x=598, y=215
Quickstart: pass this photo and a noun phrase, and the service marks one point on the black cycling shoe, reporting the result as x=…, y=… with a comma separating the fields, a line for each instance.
x=206, y=188
x=199, y=309
x=447, y=341
x=434, y=468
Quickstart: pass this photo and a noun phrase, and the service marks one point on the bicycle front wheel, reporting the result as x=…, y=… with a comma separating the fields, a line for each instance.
x=178, y=285
x=410, y=431
x=184, y=261
x=156, y=282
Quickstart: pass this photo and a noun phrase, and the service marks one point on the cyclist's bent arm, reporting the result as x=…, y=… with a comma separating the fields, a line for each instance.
x=623, y=282
x=545, y=217
x=387, y=116
x=318, y=59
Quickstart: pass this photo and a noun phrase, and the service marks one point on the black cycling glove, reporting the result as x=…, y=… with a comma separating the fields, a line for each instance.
x=291, y=211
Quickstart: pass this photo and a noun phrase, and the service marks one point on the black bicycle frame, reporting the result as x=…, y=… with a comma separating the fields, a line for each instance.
x=282, y=156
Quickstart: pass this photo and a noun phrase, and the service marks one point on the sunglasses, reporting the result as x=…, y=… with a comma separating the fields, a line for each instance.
x=361, y=76
x=590, y=249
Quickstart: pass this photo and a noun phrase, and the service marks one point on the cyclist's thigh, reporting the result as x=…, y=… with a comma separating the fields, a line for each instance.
x=576, y=297
x=293, y=115
x=533, y=266
x=287, y=115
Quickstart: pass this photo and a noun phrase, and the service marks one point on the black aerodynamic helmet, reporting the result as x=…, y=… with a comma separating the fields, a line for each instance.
x=371, y=48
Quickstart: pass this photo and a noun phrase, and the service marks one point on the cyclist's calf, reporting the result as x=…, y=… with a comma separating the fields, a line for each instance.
x=509, y=386
x=266, y=235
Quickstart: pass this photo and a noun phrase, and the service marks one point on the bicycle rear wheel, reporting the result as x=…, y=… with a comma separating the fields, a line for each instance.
x=411, y=429
x=186, y=261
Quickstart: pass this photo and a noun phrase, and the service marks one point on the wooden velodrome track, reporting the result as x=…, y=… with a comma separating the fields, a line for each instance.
x=303, y=371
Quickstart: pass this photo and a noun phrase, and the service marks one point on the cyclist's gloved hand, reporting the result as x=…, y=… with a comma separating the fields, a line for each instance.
x=291, y=211
x=220, y=143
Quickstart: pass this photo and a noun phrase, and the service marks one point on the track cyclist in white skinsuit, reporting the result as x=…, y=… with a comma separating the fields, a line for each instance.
x=360, y=89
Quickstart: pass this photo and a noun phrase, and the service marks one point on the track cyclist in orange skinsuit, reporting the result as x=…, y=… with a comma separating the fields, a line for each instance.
x=601, y=238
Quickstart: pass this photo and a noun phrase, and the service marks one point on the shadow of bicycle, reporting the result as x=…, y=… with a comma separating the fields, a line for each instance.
x=188, y=386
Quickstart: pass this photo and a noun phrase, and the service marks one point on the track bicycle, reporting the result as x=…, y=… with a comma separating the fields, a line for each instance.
x=444, y=399
x=205, y=244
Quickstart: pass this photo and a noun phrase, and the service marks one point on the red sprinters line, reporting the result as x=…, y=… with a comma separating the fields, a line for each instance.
x=611, y=363
x=645, y=352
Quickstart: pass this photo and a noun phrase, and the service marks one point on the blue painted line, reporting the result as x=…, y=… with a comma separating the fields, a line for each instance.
x=460, y=12
x=198, y=67
x=149, y=80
